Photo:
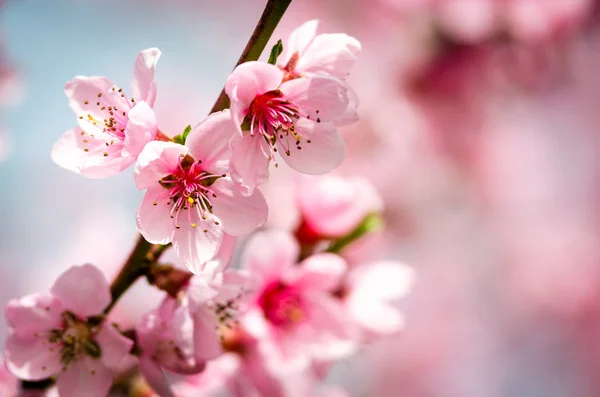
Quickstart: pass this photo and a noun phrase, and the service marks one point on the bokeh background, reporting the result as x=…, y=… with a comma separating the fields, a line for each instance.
x=479, y=126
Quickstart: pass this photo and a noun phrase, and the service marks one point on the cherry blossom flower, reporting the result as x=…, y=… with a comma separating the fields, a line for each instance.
x=190, y=199
x=62, y=334
x=370, y=292
x=112, y=128
x=291, y=119
x=307, y=54
x=294, y=307
x=182, y=334
x=9, y=384
x=333, y=206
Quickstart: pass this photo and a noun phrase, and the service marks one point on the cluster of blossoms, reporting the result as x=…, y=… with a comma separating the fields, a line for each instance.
x=291, y=307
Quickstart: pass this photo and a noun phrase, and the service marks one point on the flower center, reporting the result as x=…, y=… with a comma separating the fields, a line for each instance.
x=189, y=190
x=282, y=305
x=273, y=117
x=75, y=339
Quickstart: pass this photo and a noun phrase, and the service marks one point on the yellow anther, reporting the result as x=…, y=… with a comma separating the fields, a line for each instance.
x=194, y=225
x=190, y=200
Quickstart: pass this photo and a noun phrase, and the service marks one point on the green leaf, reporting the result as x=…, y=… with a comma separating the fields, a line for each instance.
x=181, y=138
x=371, y=223
x=275, y=52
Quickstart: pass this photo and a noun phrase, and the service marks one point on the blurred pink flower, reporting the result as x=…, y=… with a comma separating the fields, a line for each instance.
x=55, y=335
x=9, y=384
x=190, y=200
x=294, y=307
x=182, y=334
x=112, y=130
x=292, y=118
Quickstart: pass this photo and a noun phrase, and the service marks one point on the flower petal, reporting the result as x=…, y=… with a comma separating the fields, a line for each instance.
x=329, y=54
x=85, y=377
x=350, y=115
x=154, y=221
x=239, y=214
x=113, y=345
x=33, y=313
x=141, y=128
x=31, y=358
x=82, y=290
x=144, y=85
x=298, y=41
x=324, y=153
x=267, y=254
x=322, y=272
x=67, y=151
x=195, y=246
x=207, y=345
x=155, y=377
x=209, y=142
x=157, y=160
x=246, y=82
x=249, y=161
x=321, y=98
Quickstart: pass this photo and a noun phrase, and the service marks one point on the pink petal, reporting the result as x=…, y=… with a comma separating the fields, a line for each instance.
x=193, y=246
x=155, y=377
x=238, y=213
x=202, y=288
x=154, y=221
x=33, y=313
x=82, y=290
x=85, y=377
x=182, y=325
x=206, y=342
x=329, y=54
x=157, y=160
x=267, y=254
x=323, y=154
x=250, y=164
x=246, y=82
x=322, y=272
x=209, y=142
x=373, y=288
x=254, y=323
x=334, y=206
x=144, y=85
x=299, y=40
x=350, y=115
x=67, y=152
x=321, y=98
x=113, y=345
x=31, y=358
x=222, y=259
x=141, y=128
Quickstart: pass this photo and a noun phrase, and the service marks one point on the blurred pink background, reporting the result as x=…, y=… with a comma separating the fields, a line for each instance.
x=479, y=126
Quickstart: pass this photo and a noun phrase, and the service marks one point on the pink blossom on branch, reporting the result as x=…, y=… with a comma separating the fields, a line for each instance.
x=112, y=128
x=60, y=334
x=291, y=119
x=183, y=334
x=190, y=199
x=294, y=306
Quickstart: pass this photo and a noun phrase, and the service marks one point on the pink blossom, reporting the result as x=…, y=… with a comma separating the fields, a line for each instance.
x=332, y=206
x=308, y=54
x=112, y=129
x=294, y=307
x=62, y=334
x=182, y=334
x=292, y=119
x=190, y=199
x=9, y=384
x=370, y=292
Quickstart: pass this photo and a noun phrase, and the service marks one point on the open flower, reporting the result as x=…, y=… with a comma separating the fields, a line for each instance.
x=291, y=119
x=295, y=307
x=62, y=334
x=190, y=200
x=306, y=54
x=112, y=128
x=183, y=333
